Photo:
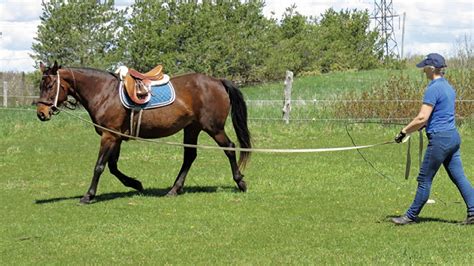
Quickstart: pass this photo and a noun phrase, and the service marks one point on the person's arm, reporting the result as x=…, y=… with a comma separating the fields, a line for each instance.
x=420, y=120
x=417, y=123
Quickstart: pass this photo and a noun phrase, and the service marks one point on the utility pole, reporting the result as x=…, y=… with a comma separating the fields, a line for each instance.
x=383, y=16
x=402, y=55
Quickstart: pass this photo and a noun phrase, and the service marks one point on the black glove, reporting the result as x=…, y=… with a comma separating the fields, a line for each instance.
x=400, y=137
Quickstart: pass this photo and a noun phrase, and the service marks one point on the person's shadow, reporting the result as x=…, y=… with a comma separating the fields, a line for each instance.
x=150, y=192
x=427, y=220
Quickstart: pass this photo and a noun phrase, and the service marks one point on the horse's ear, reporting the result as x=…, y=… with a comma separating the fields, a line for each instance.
x=42, y=67
x=55, y=67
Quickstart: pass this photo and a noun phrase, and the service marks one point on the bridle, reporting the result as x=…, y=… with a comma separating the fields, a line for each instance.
x=54, y=105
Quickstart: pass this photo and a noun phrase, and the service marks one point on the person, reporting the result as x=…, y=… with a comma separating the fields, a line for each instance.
x=437, y=114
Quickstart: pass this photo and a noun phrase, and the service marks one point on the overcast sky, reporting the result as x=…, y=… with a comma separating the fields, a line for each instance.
x=430, y=26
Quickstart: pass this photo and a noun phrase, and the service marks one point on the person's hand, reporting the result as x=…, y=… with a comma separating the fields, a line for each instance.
x=400, y=137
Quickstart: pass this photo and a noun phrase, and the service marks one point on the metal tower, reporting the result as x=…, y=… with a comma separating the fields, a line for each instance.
x=383, y=16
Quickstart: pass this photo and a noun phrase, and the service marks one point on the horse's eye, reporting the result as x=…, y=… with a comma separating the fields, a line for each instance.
x=49, y=86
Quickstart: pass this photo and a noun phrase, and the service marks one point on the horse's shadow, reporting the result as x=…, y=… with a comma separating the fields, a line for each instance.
x=150, y=192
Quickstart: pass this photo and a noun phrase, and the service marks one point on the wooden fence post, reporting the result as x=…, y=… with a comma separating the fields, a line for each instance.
x=287, y=94
x=5, y=94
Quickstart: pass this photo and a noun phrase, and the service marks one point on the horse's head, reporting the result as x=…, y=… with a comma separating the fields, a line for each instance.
x=53, y=92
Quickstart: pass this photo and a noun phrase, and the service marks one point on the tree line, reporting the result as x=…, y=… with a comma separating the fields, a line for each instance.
x=230, y=39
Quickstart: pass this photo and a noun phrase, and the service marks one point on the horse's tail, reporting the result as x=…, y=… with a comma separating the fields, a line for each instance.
x=239, y=120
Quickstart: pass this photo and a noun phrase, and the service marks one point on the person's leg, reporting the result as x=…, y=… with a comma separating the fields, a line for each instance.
x=453, y=165
x=432, y=161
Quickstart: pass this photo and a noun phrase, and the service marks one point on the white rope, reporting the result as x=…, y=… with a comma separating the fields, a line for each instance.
x=229, y=148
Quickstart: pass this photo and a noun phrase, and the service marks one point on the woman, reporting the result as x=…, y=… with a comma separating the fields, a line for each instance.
x=438, y=115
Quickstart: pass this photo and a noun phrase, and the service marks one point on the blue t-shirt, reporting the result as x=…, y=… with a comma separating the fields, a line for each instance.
x=442, y=97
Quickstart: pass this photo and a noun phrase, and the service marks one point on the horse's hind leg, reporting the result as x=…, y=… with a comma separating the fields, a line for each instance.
x=190, y=137
x=126, y=181
x=224, y=141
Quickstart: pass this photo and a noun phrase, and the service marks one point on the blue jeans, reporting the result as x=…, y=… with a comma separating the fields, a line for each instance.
x=443, y=148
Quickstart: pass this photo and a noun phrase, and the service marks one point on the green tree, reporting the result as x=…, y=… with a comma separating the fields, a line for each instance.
x=243, y=37
x=345, y=41
x=220, y=38
x=144, y=39
x=79, y=33
x=294, y=45
x=230, y=39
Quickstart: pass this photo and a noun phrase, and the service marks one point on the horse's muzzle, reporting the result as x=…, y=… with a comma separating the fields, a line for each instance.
x=44, y=112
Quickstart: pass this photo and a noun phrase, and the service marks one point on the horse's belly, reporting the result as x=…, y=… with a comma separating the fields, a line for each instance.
x=158, y=132
x=163, y=125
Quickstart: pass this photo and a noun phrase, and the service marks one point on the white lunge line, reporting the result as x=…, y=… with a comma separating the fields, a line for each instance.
x=230, y=148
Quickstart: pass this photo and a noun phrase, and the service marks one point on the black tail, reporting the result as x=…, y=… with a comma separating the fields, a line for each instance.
x=239, y=120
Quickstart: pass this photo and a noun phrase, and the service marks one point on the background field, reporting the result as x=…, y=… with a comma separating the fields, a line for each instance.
x=327, y=208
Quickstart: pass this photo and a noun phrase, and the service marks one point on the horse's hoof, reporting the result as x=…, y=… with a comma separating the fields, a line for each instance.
x=175, y=192
x=139, y=187
x=85, y=200
x=171, y=193
x=135, y=184
x=242, y=186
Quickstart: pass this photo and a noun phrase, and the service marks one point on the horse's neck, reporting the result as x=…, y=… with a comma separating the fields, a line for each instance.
x=89, y=86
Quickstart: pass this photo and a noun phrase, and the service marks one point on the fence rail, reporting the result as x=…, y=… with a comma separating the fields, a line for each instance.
x=23, y=100
x=252, y=101
x=273, y=119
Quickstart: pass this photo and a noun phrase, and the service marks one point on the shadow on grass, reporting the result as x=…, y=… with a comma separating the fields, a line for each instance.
x=150, y=192
x=428, y=220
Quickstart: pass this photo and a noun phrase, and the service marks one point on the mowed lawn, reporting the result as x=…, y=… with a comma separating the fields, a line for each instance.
x=319, y=208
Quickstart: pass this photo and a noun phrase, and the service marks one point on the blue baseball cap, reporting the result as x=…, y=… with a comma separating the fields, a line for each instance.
x=433, y=59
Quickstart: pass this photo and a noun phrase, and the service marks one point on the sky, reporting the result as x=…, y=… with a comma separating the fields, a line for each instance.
x=430, y=26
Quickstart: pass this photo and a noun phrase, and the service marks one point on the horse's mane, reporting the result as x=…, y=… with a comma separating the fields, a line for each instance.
x=72, y=103
x=93, y=70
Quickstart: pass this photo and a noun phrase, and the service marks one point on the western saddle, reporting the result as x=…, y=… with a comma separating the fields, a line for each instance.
x=138, y=85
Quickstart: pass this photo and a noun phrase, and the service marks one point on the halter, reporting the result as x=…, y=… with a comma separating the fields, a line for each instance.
x=54, y=105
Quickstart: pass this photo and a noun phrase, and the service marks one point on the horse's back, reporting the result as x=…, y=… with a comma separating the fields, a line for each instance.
x=197, y=82
x=201, y=101
x=206, y=96
x=202, y=90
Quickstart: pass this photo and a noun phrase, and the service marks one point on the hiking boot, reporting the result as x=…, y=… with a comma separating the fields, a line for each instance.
x=469, y=220
x=402, y=220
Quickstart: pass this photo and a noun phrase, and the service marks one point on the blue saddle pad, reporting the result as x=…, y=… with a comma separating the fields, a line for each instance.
x=161, y=95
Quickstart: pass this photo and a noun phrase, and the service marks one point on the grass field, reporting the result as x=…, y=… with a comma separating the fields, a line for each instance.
x=306, y=208
x=329, y=86
x=323, y=208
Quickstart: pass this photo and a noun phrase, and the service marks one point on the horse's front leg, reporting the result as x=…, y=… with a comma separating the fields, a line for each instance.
x=190, y=137
x=107, y=145
x=113, y=167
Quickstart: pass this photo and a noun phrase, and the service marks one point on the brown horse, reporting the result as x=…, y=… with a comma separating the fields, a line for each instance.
x=202, y=104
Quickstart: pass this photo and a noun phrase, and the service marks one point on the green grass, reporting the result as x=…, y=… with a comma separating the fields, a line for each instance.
x=320, y=89
x=327, y=86
x=319, y=97
x=325, y=208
